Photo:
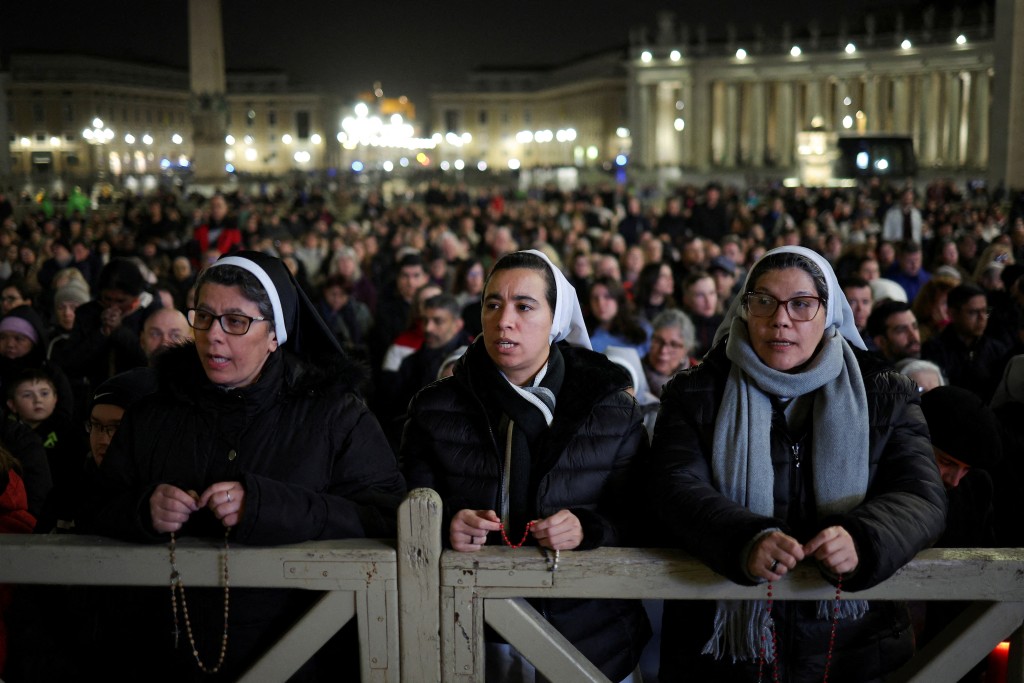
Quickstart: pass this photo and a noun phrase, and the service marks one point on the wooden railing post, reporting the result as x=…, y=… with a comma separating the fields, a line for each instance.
x=419, y=586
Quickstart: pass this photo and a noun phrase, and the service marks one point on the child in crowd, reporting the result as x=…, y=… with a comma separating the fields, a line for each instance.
x=32, y=399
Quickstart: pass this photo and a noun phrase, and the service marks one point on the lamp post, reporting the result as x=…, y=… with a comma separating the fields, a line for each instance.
x=98, y=136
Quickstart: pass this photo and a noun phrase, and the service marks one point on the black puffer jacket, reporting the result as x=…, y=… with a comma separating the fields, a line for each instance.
x=312, y=459
x=587, y=466
x=903, y=513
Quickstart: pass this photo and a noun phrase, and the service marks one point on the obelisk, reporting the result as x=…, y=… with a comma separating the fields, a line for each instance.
x=207, y=103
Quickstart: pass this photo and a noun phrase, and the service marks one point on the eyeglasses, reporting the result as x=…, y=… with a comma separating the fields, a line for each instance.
x=979, y=312
x=674, y=345
x=799, y=308
x=231, y=323
x=107, y=430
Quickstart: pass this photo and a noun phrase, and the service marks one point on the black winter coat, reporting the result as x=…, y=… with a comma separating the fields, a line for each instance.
x=587, y=465
x=903, y=513
x=312, y=459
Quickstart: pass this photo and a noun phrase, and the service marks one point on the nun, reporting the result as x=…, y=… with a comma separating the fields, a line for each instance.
x=257, y=435
x=534, y=441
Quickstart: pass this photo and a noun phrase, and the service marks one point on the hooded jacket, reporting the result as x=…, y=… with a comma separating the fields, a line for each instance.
x=903, y=513
x=586, y=465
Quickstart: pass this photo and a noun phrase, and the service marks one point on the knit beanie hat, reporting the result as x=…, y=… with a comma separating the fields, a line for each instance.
x=75, y=292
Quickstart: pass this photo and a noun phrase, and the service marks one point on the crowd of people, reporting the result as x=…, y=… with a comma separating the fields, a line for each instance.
x=562, y=367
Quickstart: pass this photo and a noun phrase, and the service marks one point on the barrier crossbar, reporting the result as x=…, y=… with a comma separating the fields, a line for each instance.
x=491, y=586
x=358, y=578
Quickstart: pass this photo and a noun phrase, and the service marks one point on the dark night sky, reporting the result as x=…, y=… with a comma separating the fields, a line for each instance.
x=343, y=46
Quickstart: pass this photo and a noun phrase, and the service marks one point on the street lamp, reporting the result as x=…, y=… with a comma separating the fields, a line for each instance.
x=98, y=136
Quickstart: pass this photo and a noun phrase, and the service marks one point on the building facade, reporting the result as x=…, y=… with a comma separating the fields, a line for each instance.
x=51, y=105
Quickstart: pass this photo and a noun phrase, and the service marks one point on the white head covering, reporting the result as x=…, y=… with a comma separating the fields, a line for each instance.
x=628, y=358
x=838, y=311
x=884, y=288
x=568, y=319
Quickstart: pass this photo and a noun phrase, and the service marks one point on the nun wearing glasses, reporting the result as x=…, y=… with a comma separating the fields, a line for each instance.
x=791, y=445
x=257, y=435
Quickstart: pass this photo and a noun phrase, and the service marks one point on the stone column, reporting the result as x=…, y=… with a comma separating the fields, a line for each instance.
x=757, y=126
x=813, y=104
x=977, y=131
x=718, y=124
x=5, y=133
x=732, y=124
x=700, y=126
x=785, y=123
x=1006, y=136
x=688, y=115
x=901, y=106
x=665, y=147
x=207, y=104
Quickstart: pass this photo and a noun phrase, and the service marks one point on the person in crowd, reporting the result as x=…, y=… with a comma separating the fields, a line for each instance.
x=164, y=328
x=23, y=345
x=254, y=436
x=348, y=318
x=14, y=519
x=655, y=290
x=634, y=223
x=394, y=311
x=672, y=337
x=967, y=355
x=931, y=307
x=556, y=441
x=858, y=294
x=727, y=282
x=16, y=292
x=610, y=318
x=903, y=221
x=66, y=301
x=105, y=338
x=411, y=338
x=700, y=302
x=907, y=271
x=32, y=400
x=710, y=217
x=926, y=374
x=893, y=328
x=469, y=284
x=218, y=233
x=787, y=384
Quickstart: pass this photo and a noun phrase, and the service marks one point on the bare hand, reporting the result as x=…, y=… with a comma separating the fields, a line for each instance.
x=774, y=555
x=560, y=531
x=469, y=528
x=834, y=549
x=226, y=500
x=170, y=507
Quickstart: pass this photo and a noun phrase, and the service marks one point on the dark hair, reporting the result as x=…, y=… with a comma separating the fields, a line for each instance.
x=337, y=280
x=853, y=281
x=879, y=318
x=30, y=375
x=411, y=259
x=445, y=301
x=461, y=271
x=233, y=276
x=787, y=259
x=645, y=282
x=909, y=247
x=694, y=277
x=961, y=294
x=122, y=274
x=624, y=324
x=522, y=259
x=25, y=289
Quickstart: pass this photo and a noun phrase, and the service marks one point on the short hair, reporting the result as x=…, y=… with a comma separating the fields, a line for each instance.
x=233, y=276
x=908, y=366
x=445, y=301
x=122, y=274
x=30, y=375
x=853, y=281
x=673, y=317
x=411, y=259
x=337, y=280
x=879, y=318
x=694, y=277
x=909, y=247
x=961, y=294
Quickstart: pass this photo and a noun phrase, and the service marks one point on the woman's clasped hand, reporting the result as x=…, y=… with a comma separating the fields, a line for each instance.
x=775, y=554
x=170, y=507
x=469, y=530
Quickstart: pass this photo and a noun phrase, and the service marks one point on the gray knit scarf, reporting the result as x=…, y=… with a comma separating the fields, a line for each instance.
x=741, y=460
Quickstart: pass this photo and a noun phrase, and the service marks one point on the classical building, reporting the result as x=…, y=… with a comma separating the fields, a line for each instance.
x=51, y=104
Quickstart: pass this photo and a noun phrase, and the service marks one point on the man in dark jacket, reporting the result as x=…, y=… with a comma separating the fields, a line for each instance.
x=970, y=358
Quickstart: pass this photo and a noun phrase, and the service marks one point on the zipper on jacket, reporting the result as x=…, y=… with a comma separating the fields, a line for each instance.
x=796, y=454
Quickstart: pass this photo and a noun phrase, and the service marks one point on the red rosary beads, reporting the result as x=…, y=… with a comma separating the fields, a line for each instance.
x=775, y=659
x=510, y=544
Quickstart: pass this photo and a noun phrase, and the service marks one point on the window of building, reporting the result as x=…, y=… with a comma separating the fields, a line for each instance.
x=38, y=112
x=302, y=125
x=482, y=117
x=451, y=120
x=40, y=137
x=69, y=137
x=271, y=118
x=250, y=118
x=68, y=111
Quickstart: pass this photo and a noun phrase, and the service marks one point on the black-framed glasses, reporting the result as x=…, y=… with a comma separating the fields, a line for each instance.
x=799, y=308
x=109, y=430
x=231, y=323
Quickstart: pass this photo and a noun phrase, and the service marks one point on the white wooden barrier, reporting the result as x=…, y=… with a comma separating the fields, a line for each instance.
x=421, y=611
x=489, y=586
x=358, y=578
